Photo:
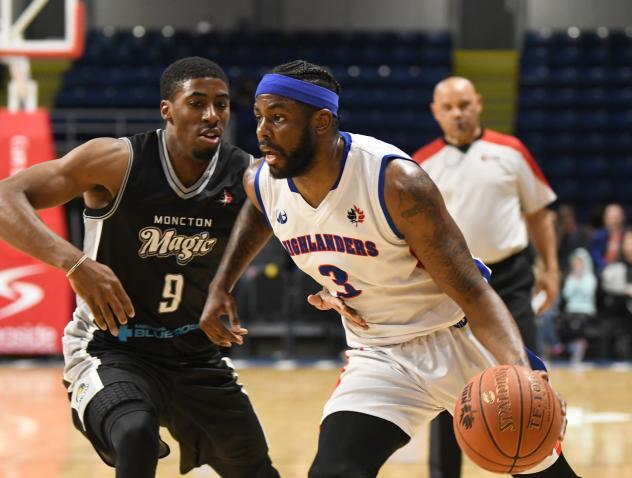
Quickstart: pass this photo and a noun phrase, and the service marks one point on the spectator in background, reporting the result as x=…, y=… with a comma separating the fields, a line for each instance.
x=499, y=198
x=579, y=292
x=570, y=235
x=617, y=276
x=605, y=245
x=616, y=282
x=549, y=344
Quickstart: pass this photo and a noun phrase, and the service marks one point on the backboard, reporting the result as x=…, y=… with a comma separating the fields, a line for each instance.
x=41, y=28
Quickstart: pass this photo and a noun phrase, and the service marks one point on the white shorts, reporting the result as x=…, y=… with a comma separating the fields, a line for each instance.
x=409, y=384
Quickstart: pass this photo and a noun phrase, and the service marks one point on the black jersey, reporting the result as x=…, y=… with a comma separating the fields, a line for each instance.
x=164, y=242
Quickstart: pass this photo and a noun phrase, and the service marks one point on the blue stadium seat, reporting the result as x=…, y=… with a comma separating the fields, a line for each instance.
x=575, y=112
x=595, y=56
x=566, y=189
x=613, y=143
x=535, y=76
x=533, y=141
x=564, y=120
x=594, y=39
x=532, y=98
x=622, y=56
x=387, y=77
x=596, y=190
x=439, y=39
x=530, y=120
x=621, y=190
x=567, y=56
x=537, y=39
x=619, y=97
x=535, y=56
x=435, y=56
x=564, y=39
x=565, y=76
x=562, y=143
x=621, y=76
x=404, y=54
x=592, y=97
x=555, y=167
x=620, y=166
x=594, y=120
x=620, y=39
x=592, y=166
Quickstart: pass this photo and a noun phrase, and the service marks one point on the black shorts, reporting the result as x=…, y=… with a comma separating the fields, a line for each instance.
x=513, y=280
x=200, y=403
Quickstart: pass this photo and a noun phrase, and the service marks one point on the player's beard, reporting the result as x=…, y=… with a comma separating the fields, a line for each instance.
x=298, y=161
x=203, y=154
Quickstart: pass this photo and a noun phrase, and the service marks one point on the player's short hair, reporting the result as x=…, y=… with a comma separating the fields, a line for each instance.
x=187, y=69
x=311, y=73
x=306, y=71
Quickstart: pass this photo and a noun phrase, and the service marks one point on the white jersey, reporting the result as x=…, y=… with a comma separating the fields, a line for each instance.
x=350, y=245
x=487, y=189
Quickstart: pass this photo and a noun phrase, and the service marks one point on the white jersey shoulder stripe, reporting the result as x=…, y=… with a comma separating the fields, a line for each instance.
x=108, y=211
x=258, y=191
x=385, y=160
x=172, y=178
x=346, y=139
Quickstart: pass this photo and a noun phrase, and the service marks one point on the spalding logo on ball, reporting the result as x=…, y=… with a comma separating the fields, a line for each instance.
x=507, y=419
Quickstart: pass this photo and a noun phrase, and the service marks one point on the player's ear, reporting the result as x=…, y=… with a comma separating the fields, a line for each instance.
x=434, y=109
x=165, y=110
x=322, y=121
x=479, y=102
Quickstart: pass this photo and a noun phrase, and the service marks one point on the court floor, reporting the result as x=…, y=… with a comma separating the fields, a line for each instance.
x=37, y=439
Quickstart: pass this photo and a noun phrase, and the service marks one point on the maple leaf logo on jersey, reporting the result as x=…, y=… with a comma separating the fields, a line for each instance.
x=227, y=199
x=355, y=215
x=281, y=217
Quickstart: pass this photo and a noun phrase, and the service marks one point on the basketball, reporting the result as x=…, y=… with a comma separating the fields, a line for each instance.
x=507, y=419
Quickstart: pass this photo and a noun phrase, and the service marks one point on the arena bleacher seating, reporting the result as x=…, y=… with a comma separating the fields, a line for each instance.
x=387, y=77
x=575, y=112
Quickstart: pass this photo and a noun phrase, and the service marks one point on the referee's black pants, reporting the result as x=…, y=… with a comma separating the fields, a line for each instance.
x=513, y=280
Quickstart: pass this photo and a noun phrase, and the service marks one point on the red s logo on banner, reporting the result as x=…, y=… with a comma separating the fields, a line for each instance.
x=35, y=299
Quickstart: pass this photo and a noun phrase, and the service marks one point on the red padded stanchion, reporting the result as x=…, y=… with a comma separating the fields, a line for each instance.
x=35, y=299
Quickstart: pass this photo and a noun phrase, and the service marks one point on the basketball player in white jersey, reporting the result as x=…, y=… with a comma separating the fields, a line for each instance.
x=368, y=224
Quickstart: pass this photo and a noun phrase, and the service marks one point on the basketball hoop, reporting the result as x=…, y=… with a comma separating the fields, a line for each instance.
x=13, y=43
x=17, y=51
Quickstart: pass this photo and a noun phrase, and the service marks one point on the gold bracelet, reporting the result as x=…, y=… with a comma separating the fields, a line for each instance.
x=77, y=264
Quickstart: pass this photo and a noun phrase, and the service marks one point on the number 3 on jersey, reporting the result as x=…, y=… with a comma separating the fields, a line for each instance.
x=339, y=277
x=171, y=293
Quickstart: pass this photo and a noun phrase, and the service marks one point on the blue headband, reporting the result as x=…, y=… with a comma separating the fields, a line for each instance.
x=314, y=95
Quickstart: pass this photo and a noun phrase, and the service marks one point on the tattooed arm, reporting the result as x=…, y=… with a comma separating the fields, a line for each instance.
x=250, y=233
x=419, y=213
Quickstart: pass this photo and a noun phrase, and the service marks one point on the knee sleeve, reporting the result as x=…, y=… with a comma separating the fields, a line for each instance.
x=135, y=441
x=114, y=401
x=125, y=424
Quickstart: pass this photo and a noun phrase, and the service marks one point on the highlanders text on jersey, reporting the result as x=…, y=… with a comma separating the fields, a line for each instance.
x=350, y=245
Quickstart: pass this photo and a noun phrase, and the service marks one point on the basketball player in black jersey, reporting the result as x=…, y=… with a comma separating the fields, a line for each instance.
x=160, y=206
